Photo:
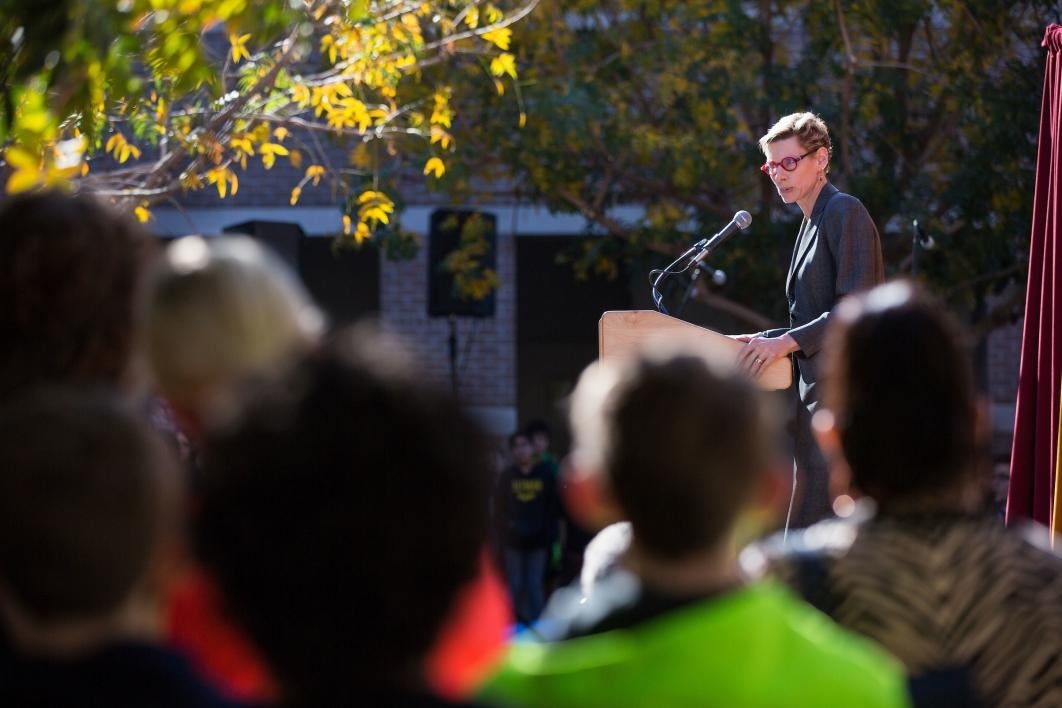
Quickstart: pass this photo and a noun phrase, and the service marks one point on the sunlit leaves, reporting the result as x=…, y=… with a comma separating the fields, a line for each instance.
x=243, y=147
x=434, y=166
x=224, y=179
x=27, y=170
x=142, y=213
x=121, y=148
x=206, y=88
x=500, y=37
x=503, y=65
x=269, y=152
x=440, y=137
x=315, y=173
x=238, y=47
x=374, y=207
x=442, y=114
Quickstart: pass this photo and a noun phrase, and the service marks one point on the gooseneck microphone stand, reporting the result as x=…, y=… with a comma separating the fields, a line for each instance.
x=656, y=276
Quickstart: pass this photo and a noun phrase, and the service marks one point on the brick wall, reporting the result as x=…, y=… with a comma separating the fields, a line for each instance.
x=486, y=347
x=1004, y=357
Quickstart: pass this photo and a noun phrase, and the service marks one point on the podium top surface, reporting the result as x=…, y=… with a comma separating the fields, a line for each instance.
x=624, y=331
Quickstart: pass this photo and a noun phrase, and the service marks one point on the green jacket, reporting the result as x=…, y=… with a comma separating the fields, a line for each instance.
x=758, y=646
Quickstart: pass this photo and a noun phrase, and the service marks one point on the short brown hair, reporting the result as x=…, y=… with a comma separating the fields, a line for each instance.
x=806, y=127
x=686, y=442
x=70, y=277
x=86, y=493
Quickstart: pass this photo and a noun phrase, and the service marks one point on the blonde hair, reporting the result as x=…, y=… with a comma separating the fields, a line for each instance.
x=221, y=310
x=806, y=127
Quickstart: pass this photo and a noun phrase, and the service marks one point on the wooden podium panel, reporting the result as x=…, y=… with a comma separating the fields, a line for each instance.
x=622, y=331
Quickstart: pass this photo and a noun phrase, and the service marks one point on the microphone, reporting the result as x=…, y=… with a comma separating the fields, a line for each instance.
x=718, y=276
x=740, y=222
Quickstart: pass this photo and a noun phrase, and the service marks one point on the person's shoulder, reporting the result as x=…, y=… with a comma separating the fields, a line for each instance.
x=1024, y=550
x=842, y=200
x=822, y=655
x=844, y=206
x=831, y=538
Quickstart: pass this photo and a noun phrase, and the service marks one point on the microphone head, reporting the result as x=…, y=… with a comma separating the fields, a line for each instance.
x=743, y=219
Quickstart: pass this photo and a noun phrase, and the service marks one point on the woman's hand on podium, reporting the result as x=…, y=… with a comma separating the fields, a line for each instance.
x=760, y=352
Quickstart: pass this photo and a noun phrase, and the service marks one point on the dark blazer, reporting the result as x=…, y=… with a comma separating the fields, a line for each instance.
x=837, y=252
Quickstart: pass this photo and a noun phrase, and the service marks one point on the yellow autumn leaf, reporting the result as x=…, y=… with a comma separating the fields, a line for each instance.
x=346, y=223
x=27, y=174
x=523, y=119
x=300, y=94
x=503, y=64
x=239, y=47
x=500, y=37
x=362, y=232
x=440, y=136
x=269, y=153
x=280, y=132
x=375, y=206
x=223, y=178
x=493, y=14
x=143, y=215
x=295, y=158
x=472, y=18
x=242, y=144
x=328, y=46
x=435, y=166
x=295, y=193
x=315, y=172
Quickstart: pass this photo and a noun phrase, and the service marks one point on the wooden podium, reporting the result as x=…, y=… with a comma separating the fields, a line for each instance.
x=621, y=331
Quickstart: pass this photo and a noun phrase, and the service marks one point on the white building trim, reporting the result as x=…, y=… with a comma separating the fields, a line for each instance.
x=328, y=221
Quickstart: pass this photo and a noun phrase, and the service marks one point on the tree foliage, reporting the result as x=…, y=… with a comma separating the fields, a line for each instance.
x=933, y=106
x=142, y=100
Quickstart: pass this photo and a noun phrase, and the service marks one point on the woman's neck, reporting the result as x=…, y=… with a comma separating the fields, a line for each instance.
x=807, y=204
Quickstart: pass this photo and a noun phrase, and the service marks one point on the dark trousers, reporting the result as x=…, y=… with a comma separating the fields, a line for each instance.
x=811, y=476
x=525, y=571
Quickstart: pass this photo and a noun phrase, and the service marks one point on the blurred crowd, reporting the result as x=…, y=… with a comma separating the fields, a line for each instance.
x=209, y=497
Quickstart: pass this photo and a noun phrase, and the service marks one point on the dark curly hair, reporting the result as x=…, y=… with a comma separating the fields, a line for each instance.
x=340, y=516
x=70, y=275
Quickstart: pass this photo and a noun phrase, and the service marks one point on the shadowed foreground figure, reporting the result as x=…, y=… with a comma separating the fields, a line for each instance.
x=89, y=524
x=677, y=623
x=341, y=515
x=220, y=311
x=973, y=610
x=71, y=278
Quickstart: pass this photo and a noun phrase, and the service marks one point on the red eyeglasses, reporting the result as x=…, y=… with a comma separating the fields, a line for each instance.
x=786, y=163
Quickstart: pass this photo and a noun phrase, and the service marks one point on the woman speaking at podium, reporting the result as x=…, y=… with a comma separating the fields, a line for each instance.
x=837, y=252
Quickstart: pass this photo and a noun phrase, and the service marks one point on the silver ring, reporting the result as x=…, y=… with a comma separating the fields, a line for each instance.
x=759, y=359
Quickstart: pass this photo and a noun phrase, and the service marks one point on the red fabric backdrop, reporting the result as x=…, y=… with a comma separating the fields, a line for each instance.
x=1032, y=467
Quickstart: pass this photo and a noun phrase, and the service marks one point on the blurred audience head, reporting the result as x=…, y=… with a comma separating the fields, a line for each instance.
x=521, y=449
x=90, y=502
x=540, y=435
x=681, y=444
x=902, y=407
x=70, y=283
x=221, y=310
x=340, y=514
